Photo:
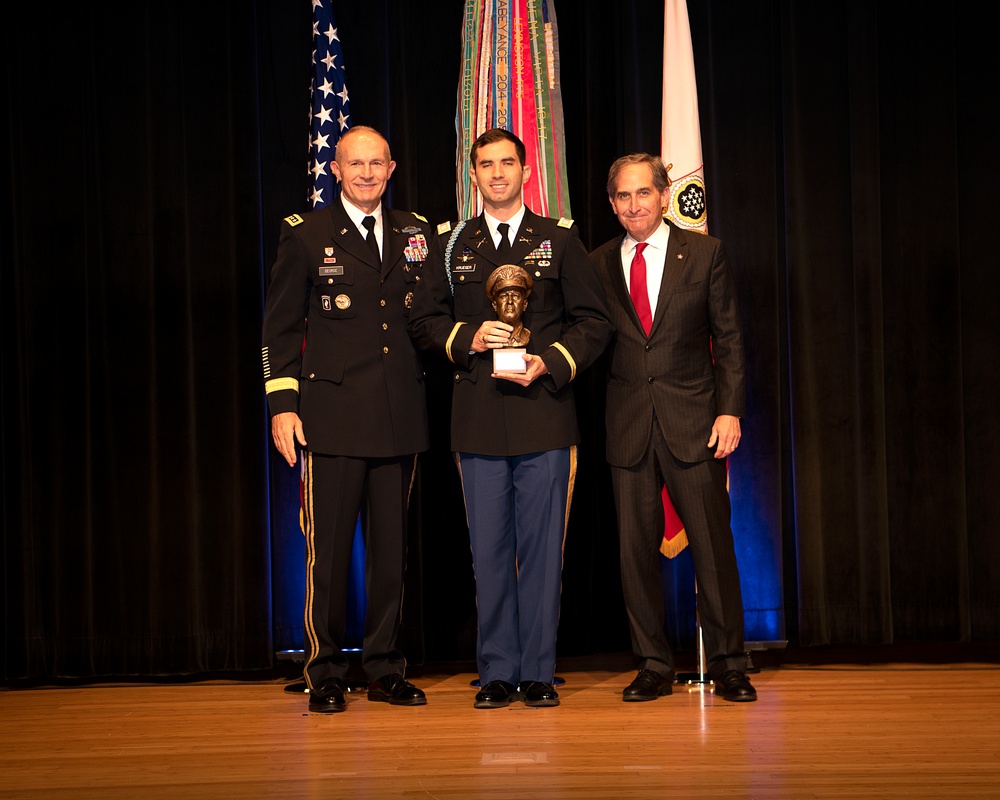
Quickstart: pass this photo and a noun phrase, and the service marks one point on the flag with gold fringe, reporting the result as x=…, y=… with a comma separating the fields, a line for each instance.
x=680, y=144
x=680, y=148
x=510, y=80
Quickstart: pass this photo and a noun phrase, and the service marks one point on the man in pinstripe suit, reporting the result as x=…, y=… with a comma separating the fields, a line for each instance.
x=675, y=397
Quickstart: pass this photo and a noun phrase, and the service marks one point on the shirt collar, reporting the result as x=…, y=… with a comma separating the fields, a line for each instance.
x=357, y=215
x=657, y=239
x=514, y=222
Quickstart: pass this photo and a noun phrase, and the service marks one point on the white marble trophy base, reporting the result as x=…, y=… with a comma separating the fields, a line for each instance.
x=510, y=359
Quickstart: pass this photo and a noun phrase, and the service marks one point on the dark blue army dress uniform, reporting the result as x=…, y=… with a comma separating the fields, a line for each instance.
x=336, y=351
x=515, y=446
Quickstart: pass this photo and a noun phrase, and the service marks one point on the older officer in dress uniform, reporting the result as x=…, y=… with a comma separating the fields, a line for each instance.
x=353, y=397
x=514, y=433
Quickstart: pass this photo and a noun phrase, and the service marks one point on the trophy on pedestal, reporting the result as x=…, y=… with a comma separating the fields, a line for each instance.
x=508, y=289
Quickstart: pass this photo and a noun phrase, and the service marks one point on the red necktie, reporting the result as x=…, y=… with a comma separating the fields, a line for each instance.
x=637, y=288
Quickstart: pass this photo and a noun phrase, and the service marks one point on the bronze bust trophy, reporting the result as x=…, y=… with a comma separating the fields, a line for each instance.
x=508, y=288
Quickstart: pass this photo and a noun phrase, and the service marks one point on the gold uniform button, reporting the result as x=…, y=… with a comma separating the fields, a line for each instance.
x=381, y=302
x=312, y=375
x=329, y=280
x=385, y=350
x=385, y=326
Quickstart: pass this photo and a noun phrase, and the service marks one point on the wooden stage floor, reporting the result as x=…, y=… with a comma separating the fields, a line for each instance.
x=819, y=730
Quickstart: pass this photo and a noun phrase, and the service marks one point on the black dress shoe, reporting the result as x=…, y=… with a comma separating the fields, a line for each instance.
x=735, y=686
x=539, y=694
x=648, y=685
x=328, y=697
x=395, y=690
x=495, y=694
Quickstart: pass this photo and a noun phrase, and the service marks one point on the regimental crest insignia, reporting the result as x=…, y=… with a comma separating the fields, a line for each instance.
x=688, y=209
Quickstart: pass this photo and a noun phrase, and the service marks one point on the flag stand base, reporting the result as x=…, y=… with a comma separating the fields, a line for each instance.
x=699, y=678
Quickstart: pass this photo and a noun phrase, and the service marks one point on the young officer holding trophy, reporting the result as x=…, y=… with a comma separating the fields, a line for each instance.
x=513, y=431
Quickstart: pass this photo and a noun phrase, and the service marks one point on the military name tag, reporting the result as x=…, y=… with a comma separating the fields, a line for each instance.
x=325, y=272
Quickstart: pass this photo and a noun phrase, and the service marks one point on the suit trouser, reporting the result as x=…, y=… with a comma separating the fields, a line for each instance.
x=701, y=497
x=336, y=490
x=517, y=508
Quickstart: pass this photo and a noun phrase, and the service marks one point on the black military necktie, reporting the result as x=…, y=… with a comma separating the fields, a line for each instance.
x=503, y=249
x=369, y=223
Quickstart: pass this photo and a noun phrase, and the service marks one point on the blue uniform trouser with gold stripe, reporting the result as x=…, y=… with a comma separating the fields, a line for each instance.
x=517, y=509
x=335, y=490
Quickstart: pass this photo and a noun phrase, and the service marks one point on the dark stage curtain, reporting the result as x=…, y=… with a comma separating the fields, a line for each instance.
x=851, y=170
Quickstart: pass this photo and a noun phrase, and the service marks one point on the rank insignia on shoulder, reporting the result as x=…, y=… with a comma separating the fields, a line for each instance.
x=565, y=222
x=444, y=227
x=294, y=219
x=422, y=219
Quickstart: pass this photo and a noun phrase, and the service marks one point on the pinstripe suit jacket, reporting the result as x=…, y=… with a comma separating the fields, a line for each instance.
x=691, y=367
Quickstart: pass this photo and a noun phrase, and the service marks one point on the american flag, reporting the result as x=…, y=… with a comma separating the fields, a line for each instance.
x=330, y=111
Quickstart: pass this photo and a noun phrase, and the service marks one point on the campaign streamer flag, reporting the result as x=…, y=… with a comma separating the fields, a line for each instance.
x=510, y=80
x=680, y=148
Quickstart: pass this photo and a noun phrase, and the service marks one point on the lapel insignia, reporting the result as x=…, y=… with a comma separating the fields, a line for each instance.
x=343, y=231
x=529, y=230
